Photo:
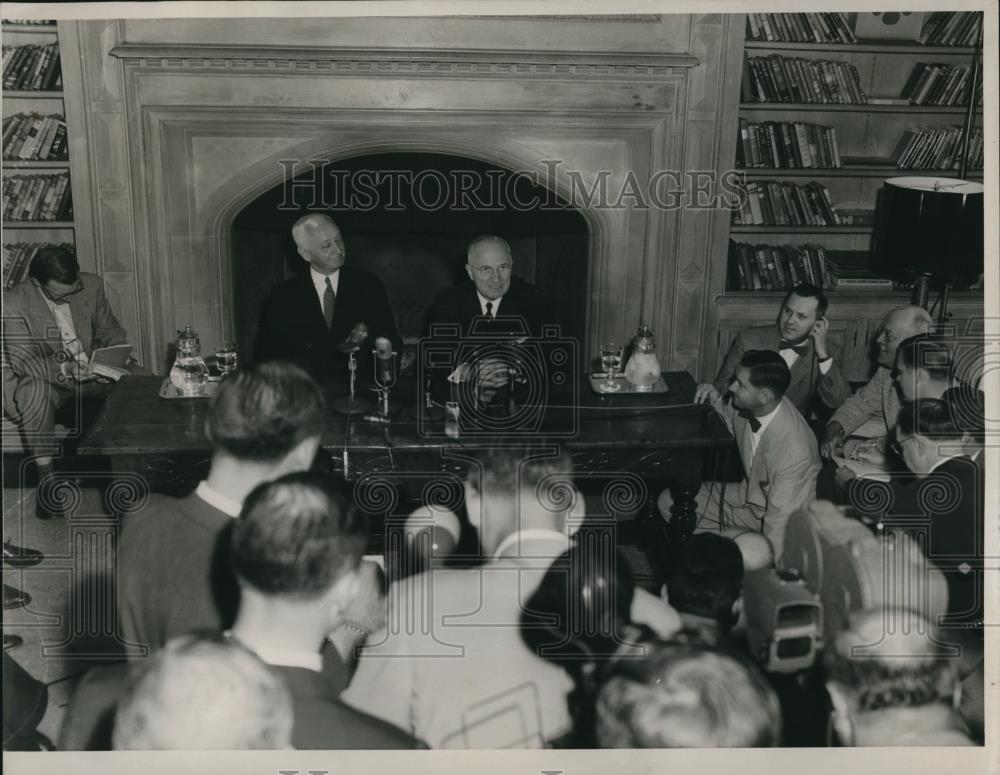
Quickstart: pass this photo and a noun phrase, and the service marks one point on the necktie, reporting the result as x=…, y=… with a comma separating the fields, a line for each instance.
x=329, y=302
x=800, y=349
x=751, y=420
x=489, y=310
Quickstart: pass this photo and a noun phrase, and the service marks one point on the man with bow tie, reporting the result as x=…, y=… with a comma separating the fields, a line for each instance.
x=800, y=338
x=777, y=448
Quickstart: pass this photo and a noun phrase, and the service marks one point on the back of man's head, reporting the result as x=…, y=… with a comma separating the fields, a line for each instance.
x=263, y=412
x=768, y=370
x=930, y=352
x=54, y=262
x=296, y=536
x=889, y=659
x=203, y=693
x=705, y=577
x=686, y=696
x=932, y=418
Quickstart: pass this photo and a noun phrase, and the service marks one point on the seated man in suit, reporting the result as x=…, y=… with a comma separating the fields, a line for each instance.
x=313, y=320
x=52, y=323
x=296, y=550
x=492, y=304
x=800, y=338
x=776, y=446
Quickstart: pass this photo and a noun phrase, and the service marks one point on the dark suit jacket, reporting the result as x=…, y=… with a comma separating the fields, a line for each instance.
x=947, y=508
x=292, y=327
x=807, y=381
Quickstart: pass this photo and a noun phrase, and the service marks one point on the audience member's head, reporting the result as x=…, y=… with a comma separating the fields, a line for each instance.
x=760, y=382
x=800, y=309
x=899, y=324
x=926, y=433
x=520, y=487
x=705, y=579
x=269, y=415
x=885, y=674
x=686, y=696
x=967, y=407
x=924, y=366
x=298, y=540
x=203, y=693
x=55, y=270
x=489, y=265
x=318, y=241
x=755, y=548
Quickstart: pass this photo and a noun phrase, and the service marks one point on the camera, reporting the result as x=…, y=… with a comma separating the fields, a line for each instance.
x=499, y=382
x=784, y=620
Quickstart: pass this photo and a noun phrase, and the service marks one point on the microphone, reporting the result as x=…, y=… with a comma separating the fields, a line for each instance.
x=385, y=362
x=354, y=340
x=435, y=533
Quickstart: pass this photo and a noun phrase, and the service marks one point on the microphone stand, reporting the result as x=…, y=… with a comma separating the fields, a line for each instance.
x=350, y=404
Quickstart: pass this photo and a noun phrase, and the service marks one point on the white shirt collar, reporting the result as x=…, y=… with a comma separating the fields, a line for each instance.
x=482, y=303
x=285, y=657
x=222, y=502
x=560, y=541
x=765, y=419
x=319, y=281
x=944, y=460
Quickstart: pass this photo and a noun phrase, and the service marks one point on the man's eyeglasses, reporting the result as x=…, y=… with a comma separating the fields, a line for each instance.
x=490, y=271
x=897, y=446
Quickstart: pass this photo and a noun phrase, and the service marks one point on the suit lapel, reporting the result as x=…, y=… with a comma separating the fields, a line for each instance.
x=312, y=309
x=81, y=307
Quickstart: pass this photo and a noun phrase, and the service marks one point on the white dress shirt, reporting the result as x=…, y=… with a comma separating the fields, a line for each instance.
x=63, y=316
x=789, y=356
x=319, y=283
x=764, y=421
x=216, y=499
x=483, y=301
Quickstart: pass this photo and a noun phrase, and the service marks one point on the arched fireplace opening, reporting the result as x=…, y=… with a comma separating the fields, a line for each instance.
x=408, y=218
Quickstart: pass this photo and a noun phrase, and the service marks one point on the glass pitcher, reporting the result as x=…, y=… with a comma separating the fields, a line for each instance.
x=189, y=374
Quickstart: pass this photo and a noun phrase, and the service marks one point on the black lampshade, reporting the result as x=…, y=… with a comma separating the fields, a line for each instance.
x=928, y=224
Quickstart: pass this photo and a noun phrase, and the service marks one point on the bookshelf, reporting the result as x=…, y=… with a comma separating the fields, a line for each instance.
x=46, y=166
x=868, y=135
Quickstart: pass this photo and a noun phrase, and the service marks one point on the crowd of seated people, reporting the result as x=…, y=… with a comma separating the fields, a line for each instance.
x=547, y=640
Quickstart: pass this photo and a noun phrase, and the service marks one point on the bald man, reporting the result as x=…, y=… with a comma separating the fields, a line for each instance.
x=308, y=318
x=877, y=402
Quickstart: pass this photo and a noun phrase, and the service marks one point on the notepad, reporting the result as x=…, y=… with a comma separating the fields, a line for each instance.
x=110, y=362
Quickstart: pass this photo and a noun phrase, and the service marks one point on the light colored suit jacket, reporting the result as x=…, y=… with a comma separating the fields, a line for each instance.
x=31, y=340
x=877, y=400
x=807, y=380
x=779, y=478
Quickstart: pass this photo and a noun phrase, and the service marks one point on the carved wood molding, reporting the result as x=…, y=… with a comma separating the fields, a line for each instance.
x=418, y=62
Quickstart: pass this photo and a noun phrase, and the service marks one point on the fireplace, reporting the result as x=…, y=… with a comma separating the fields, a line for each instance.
x=408, y=218
x=187, y=123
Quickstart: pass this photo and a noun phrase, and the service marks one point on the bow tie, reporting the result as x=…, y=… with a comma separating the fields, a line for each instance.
x=753, y=421
x=800, y=349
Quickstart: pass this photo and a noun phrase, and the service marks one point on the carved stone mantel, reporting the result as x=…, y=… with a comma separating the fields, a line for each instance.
x=200, y=130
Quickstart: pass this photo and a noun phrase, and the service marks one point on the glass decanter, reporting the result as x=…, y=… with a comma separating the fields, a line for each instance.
x=189, y=374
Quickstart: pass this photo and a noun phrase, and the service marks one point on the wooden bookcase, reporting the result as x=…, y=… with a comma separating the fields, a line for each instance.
x=867, y=134
x=45, y=103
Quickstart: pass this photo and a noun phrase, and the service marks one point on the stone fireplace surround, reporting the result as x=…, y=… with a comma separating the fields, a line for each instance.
x=206, y=128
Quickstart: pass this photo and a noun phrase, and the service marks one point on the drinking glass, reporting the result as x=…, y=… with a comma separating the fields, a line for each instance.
x=226, y=358
x=611, y=359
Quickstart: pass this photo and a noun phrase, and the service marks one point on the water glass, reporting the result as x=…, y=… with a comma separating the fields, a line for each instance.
x=226, y=358
x=611, y=359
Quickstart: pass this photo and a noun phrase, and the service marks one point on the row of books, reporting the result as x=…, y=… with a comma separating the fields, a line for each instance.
x=30, y=22
x=951, y=28
x=780, y=203
x=37, y=198
x=777, y=267
x=939, y=84
x=17, y=258
x=938, y=148
x=800, y=27
x=32, y=68
x=777, y=78
x=787, y=145
x=35, y=137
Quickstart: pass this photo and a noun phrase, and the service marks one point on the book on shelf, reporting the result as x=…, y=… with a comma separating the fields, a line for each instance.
x=780, y=203
x=32, y=68
x=29, y=22
x=37, y=197
x=17, y=258
x=937, y=148
x=782, y=79
x=951, y=28
x=760, y=267
x=34, y=137
x=786, y=145
x=799, y=27
x=940, y=85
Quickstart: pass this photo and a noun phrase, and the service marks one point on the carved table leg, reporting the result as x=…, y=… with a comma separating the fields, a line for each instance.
x=682, y=514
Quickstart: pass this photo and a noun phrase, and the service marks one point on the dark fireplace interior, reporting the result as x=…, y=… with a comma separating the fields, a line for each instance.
x=414, y=236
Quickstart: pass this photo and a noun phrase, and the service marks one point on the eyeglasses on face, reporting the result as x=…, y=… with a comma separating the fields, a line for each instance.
x=490, y=271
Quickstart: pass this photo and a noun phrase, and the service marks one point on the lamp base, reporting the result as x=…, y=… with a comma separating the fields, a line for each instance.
x=921, y=290
x=347, y=405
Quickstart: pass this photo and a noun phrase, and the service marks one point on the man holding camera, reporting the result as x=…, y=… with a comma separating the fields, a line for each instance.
x=776, y=446
x=800, y=338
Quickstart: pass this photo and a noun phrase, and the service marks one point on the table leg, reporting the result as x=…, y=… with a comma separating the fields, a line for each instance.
x=682, y=513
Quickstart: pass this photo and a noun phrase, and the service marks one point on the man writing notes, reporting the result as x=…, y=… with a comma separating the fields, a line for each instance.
x=312, y=320
x=776, y=446
x=800, y=338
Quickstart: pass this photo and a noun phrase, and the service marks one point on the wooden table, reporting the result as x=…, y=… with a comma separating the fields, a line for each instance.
x=624, y=448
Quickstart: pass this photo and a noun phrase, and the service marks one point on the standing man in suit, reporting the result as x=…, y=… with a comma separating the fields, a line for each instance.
x=52, y=323
x=492, y=304
x=308, y=318
x=800, y=338
x=776, y=446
